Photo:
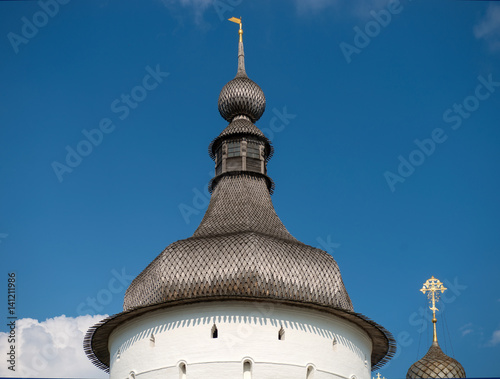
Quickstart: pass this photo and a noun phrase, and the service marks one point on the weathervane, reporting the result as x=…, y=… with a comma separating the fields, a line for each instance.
x=238, y=21
x=434, y=288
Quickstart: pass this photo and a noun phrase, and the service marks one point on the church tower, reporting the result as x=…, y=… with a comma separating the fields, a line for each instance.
x=241, y=297
x=435, y=364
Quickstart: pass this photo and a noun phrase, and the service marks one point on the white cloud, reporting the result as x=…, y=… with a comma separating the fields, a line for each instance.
x=488, y=27
x=201, y=4
x=313, y=6
x=495, y=338
x=359, y=9
x=466, y=329
x=363, y=8
x=197, y=6
x=51, y=348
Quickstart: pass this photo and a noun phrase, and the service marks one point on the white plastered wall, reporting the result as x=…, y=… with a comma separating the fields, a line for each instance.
x=246, y=331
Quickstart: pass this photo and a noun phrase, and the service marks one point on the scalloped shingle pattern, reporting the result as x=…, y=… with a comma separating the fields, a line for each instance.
x=436, y=364
x=242, y=96
x=241, y=126
x=242, y=203
x=241, y=248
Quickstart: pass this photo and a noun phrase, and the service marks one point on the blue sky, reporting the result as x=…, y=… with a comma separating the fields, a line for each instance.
x=386, y=154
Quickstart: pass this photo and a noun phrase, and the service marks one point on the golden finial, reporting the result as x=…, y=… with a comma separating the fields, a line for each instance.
x=434, y=288
x=379, y=376
x=238, y=21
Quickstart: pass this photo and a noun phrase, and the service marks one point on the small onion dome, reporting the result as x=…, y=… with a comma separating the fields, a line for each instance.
x=436, y=364
x=242, y=96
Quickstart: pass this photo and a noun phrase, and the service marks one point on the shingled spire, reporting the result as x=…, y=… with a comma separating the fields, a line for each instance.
x=241, y=52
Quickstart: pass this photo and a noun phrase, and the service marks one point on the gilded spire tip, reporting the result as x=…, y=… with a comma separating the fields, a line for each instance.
x=238, y=21
x=241, y=54
x=434, y=289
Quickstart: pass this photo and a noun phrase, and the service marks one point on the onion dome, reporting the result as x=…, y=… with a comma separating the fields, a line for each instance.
x=241, y=96
x=436, y=364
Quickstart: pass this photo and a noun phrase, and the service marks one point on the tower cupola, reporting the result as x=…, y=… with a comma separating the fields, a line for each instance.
x=241, y=147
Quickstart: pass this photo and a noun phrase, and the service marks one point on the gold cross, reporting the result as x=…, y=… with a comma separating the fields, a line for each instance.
x=379, y=376
x=434, y=289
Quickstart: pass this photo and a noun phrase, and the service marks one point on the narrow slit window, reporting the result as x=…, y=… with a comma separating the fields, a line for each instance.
x=281, y=334
x=218, y=161
x=218, y=155
x=247, y=370
x=310, y=372
x=182, y=371
x=152, y=340
x=215, y=332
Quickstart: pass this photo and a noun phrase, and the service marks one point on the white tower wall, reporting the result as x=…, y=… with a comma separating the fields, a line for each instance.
x=159, y=343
